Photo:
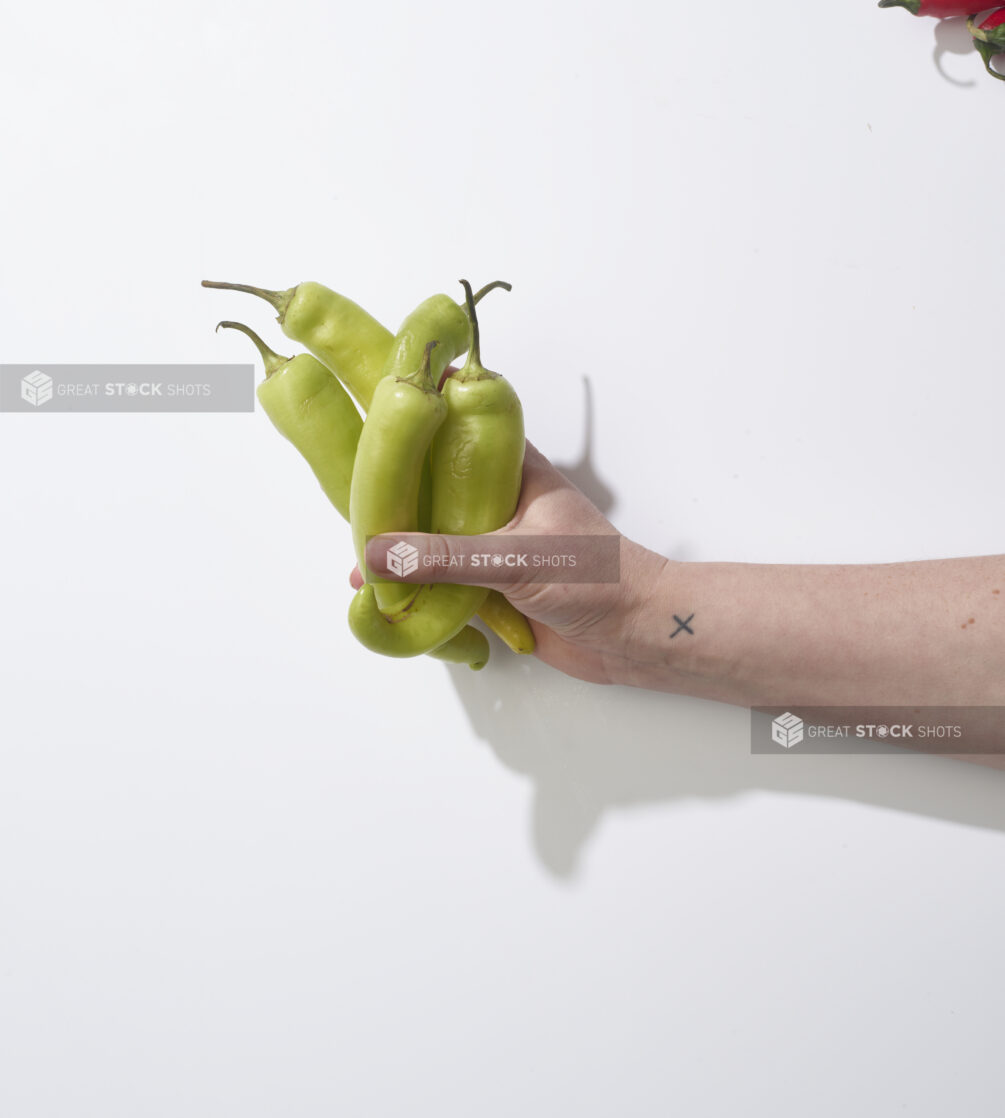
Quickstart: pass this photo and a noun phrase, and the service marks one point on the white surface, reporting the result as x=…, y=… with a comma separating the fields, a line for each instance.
x=245, y=868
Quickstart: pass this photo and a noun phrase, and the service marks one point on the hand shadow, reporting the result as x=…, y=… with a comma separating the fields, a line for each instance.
x=587, y=749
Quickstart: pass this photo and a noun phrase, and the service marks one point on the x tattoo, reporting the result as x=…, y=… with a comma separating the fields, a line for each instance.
x=682, y=625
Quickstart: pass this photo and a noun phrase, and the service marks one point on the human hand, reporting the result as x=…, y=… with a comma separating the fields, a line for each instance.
x=583, y=629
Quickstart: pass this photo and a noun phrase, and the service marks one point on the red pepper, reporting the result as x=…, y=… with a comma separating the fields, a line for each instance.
x=989, y=39
x=941, y=9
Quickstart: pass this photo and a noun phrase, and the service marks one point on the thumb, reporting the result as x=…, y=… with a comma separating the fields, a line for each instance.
x=422, y=557
x=496, y=560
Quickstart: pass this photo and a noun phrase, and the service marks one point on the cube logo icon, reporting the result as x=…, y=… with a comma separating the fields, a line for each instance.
x=36, y=388
x=402, y=559
x=787, y=730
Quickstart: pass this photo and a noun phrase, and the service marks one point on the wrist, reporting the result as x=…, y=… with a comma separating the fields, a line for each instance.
x=663, y=647
x=645, y=577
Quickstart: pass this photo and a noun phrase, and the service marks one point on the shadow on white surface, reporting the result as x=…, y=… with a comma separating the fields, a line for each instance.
x=587, y=750
x=582, y=472
x=952, y=37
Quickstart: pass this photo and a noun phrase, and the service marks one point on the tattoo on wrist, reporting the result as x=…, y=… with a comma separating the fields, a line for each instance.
x=682, y=626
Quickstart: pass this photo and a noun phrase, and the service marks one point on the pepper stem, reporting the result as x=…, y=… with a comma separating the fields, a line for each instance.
x=987, y=51
x=913, y=6
x=279, y=299
x=473, y=368
x=423, y=377
x=475, y=349
x=272, y=360
x=490, y=287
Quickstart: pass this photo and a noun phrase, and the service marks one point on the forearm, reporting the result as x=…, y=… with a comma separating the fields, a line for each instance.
x=926, y=633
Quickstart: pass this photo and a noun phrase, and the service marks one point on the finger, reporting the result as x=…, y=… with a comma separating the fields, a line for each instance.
x=355, y=578
x=505, y=560
x=420, y=557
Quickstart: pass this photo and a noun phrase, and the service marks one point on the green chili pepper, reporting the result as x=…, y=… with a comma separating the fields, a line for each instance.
x=404, y=415
x=468, y=647
x=351, y=342
x=308, y=405
x=477, y=453
x=420, y=628
x=384, y=496
x=438, y=319
x=482, y=437
x=507, y=622
x=477, y=464
x=339, y=333
x=323, y=424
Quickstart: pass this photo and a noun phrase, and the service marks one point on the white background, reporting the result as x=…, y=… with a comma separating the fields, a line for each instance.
x=246, y=867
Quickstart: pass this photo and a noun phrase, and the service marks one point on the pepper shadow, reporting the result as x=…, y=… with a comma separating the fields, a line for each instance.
x=583, y=473
x=952, y=37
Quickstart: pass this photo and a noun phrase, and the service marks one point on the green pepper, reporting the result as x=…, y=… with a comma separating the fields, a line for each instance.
x=340, y=334
x=403, y=418
x=477, y=465
x=437, y=616
x=351, y=342
x=507, y=622
x=477, y=455
x=356, y=348
x=406, y=411
x=469, y=647
x=439, y=319
x=308, y=406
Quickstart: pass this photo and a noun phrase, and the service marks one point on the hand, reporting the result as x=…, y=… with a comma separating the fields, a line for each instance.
x=583, y=629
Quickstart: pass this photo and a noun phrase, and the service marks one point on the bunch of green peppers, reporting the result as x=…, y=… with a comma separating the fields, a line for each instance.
x=435, y=452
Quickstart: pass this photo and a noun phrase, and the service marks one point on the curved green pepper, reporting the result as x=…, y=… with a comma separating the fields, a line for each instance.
x=352, y=343
x=477, y=455
x=340, y=334
x=309, y=406
x=477, y=465
x=357, y=348
x=384, y=495
x=438, y=319
x=420, y=628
